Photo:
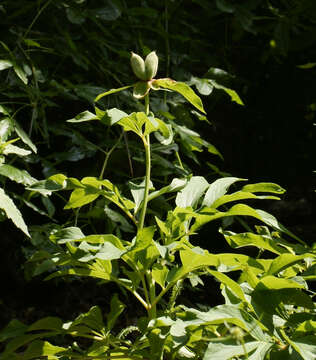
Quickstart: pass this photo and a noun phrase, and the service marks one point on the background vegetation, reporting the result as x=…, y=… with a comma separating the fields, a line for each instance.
x=57, y=56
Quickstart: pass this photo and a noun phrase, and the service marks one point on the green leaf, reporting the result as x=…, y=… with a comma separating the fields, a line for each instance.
x=192, y=192
x=233, y=286
x=138, y=191
x=217, y=189
x=17, y=175
x=117, y=307
x=273, y=222
x=232, y=93
x=24, y=137
x=67, y=234
x=109, y=12
x=240, y=195
x=174, y=186
x=204, y=86
x=112, y=91
x=5, y=64
x=12, y=212
x=14, y=329
x=227, y=349
x=20, y=73
x=308, y=326
x=284, y=261
x=134, y=122
x=304, y=66
x=141, y=89
x=210, y=214
x=84, y=116
x=6, y=127
x=160, y=274
x=270, y=282
x=93, y=319
x=305, y=346
x=272, y=293
x=80, y=197
x=113, y=116
x=12, y=149
x=251, y=239
x=192, y=259
x=225, y=6
x=40, y=348
x=47, y=323
x=182, y=89
x=263, y=187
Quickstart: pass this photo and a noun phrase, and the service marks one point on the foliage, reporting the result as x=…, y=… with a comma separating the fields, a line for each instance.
x=268, y=311
x=142, y=233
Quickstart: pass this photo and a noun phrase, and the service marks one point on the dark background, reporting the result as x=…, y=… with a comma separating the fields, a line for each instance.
x=83, y=48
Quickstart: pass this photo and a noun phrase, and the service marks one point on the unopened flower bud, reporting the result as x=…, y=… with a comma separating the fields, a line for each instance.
x=151, y=65
x=138, y=66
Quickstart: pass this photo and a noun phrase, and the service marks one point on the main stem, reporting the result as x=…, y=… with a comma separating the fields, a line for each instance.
x=146, y=141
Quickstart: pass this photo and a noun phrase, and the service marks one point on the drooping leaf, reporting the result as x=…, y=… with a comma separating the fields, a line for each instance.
x=24, y=137
x=227, y=281
x=263, y=187
x=217, y=189
x=12, y=149
x=192, y=192
x=83, y=116
x=117, y=307
x=112, y=91
x=12, y=212
x=112, y=116
x=251, y=239
x=174, y=186
x=17, y=175
x=182, y=89
x=307, y=66
x=284, y=261
x=5, y=64
x=141, y=89
x=20, y=73
x=71, y=233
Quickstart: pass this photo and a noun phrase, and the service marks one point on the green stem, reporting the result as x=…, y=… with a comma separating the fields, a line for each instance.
x=152, y=295
x=146, y=141
x=107, y=156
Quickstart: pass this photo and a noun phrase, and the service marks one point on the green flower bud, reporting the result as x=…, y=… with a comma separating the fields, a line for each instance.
x=138, y=66
x=151, y=65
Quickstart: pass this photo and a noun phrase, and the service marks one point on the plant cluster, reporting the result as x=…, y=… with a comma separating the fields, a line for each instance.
x=269, y=312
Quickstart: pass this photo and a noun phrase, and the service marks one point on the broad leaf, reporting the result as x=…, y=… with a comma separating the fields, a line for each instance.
x=227, y=349
x=17, y=175
x=192, y=192
x=12, y=149
x=217, y=189
x=84, y=116
x=251, y=239
x=182, y=89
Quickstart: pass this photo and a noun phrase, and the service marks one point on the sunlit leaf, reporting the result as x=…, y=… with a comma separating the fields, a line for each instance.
x=182, y=89
x=112, y=91
x=12, y=212
x=192, y=192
